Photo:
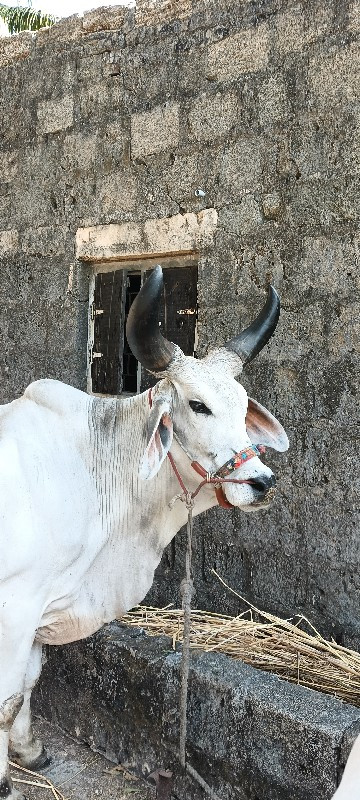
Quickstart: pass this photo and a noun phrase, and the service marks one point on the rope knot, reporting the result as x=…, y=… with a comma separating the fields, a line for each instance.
x=189, y=501
x=187, y=590
x=181, y=496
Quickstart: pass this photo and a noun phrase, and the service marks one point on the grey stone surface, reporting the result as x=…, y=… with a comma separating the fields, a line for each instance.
x=280, y=166
x=250, y=735
x=78, y=772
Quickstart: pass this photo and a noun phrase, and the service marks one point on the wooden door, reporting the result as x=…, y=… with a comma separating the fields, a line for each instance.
x=109, y=314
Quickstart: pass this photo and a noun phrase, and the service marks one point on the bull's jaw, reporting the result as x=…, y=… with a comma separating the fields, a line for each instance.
x=261, y=505
x=247, y=497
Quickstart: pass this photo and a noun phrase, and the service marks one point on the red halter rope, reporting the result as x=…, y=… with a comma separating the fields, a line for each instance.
x=220, y=476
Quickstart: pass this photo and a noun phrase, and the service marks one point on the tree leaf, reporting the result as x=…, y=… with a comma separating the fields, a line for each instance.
x=19, y=18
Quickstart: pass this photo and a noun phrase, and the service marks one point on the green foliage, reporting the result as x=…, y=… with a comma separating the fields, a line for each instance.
x=19, y=19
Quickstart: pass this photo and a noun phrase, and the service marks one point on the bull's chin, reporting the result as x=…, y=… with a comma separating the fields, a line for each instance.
x=257, y=505
x=260, y=505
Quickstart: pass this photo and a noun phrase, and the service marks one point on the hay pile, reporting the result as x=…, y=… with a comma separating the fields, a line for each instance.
x=264, y=641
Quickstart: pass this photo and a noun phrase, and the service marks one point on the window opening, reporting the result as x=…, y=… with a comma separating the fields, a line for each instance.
x=113, y=369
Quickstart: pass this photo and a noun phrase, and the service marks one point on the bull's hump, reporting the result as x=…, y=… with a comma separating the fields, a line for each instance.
x=57, y=396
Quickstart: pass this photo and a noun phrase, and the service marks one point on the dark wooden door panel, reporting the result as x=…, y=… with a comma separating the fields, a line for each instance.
x=109, y=310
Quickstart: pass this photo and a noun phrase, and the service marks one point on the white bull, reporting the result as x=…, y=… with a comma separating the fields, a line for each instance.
x=349, y=788
x=82, y=529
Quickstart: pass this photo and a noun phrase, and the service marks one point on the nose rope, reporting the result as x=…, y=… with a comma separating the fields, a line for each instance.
x=212, y=478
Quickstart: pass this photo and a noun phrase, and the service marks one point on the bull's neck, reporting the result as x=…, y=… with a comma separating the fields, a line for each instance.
x=119, y=438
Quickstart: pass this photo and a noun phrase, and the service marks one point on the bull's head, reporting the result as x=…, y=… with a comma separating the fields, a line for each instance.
x=199, y=407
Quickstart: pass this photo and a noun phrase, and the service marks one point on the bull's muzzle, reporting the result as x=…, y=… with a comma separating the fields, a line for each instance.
x=265, y=488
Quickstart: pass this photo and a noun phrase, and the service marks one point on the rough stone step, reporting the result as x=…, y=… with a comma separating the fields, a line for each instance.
x=250, y=734
x=79, y=773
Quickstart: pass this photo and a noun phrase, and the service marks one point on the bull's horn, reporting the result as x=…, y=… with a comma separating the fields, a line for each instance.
x=249, y=343
x=142, y=328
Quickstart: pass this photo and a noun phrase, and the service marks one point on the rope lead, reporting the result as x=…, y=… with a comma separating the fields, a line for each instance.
x=187, y=591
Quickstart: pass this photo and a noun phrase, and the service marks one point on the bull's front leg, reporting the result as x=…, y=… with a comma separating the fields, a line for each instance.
x=24, y=748
x=17, y=632
x=8, y=711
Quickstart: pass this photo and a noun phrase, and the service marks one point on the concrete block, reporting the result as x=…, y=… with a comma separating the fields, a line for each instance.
x=296, y=28
x=109, y=241
x=241, y=169
x=189, y=172
x=247, y=51
x=80, y=151
x=90, y=69
x=155, y=130
x=93, y=99
x=67, y=29
x=290, y=31
x=15, y=48
x=335, y=77
x=213, y=115
x=5, y=210
x=181, y=233
x=116, y=193
x=44, y=241
x=55, y=115
x=344, y=331
x=242, y=218
x=9, y=242
x=249, y=733
x=272, y=204
x=115, y=145
x=273, y=106
x=325, y=262
x=354, y=16
x=8, y=166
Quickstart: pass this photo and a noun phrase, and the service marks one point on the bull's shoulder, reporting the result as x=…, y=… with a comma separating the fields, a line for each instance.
x=57, y=396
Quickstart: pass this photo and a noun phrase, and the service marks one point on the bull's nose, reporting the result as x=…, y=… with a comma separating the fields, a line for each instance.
x=263, y=483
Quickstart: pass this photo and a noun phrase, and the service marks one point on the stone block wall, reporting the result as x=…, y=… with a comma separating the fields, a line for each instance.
x=115, y=119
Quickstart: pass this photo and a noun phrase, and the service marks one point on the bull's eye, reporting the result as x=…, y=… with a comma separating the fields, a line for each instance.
x=199, y=408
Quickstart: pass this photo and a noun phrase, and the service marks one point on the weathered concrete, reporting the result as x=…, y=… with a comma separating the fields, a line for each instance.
x=182, y=233
x=250, y=735
x=79, y=773
x=258, y=101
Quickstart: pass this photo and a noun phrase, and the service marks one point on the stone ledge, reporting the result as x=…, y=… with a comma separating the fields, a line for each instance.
x=69, y=29
x=106, y=18
x=182, y=233
x=249, y=733
x=155, y=130
x=55, y=115
x=241, y=53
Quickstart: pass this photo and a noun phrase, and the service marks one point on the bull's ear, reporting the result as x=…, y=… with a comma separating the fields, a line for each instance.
x=263, y=428
x=160, y=431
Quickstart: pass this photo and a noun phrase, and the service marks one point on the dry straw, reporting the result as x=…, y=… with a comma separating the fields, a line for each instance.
x=40, y=782
x=264, y=641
